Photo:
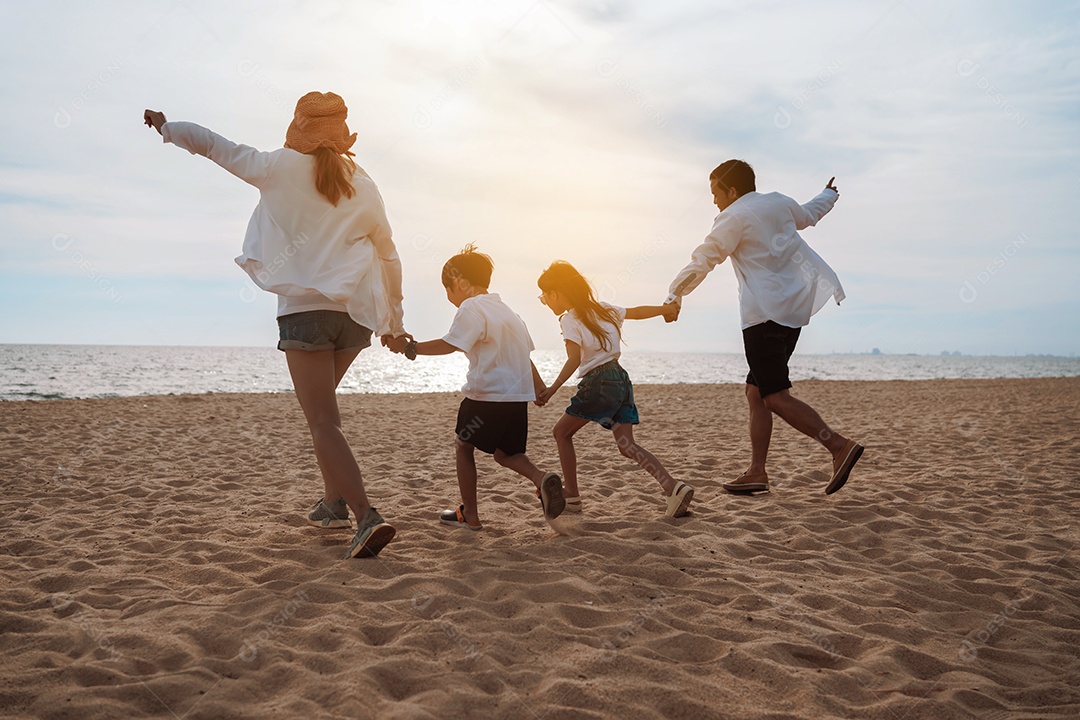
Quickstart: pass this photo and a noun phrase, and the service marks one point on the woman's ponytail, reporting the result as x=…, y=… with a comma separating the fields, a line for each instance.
x=334, y=173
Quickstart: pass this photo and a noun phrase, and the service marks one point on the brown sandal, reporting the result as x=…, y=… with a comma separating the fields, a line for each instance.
x=748, y=483
x=848, y=457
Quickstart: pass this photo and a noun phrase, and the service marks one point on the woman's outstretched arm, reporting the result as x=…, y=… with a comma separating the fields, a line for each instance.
x=250, y=165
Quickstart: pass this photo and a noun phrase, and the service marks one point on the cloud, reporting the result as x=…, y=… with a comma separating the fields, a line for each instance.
x=560, y=129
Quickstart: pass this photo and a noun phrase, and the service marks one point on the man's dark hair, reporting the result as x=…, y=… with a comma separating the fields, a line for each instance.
x=734, y=174
x=470, y=264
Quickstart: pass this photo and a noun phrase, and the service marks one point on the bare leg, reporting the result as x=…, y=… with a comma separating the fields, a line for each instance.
x=624, y=438
x=314, y=379
x=342, y=361
x=465, y=458
x=760, y=431
x=522, y=465
x=564, y=439
x=805, y=419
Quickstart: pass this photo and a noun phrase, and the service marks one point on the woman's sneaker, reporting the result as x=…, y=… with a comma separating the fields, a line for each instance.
x=371, y=536
x=334, y=515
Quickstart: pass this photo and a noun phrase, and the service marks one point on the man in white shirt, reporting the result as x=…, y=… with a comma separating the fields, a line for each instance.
x=782, y=282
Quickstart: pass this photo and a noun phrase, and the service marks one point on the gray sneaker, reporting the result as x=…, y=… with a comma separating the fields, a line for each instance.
x=371, y=536
x=334, y=515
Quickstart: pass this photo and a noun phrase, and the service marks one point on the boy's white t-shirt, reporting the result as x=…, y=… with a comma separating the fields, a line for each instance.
x=497, y=344
x=592, y=354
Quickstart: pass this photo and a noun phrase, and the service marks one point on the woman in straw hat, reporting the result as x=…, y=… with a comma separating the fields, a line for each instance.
x=320, y=240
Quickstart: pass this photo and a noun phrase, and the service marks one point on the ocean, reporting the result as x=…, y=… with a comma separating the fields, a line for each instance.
x=44, y=372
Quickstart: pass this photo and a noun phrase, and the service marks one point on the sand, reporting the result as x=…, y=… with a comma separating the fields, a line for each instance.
x=155, y=563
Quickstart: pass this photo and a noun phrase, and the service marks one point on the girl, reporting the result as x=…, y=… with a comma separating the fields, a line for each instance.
x=592, y=331
x=319, y=239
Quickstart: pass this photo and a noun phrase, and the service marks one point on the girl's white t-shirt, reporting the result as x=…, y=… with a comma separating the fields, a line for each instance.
x=592, y=353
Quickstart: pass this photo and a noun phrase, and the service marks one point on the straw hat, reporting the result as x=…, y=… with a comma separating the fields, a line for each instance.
x=319, y=121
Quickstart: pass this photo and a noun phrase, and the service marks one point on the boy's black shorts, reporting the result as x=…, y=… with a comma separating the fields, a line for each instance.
x=492, y=426
x=768, y=347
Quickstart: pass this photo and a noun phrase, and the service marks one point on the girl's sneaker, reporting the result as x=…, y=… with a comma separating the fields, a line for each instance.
x=573, y=504
x=334, y=515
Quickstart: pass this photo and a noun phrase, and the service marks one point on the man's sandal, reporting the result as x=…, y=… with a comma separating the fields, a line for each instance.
x=842, y=466
x=748, y=484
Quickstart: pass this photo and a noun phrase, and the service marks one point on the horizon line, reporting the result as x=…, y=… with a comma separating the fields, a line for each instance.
x=871, y=353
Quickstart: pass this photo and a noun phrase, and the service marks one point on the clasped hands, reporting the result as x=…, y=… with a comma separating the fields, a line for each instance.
x=670, y=310
x=397, y=344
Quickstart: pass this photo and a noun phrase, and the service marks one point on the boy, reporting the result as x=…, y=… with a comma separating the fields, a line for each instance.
x=782, y=282
x=501, y=382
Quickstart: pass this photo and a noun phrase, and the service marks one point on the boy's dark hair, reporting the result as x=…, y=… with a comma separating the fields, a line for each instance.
x=734, y=174
x=470, y=264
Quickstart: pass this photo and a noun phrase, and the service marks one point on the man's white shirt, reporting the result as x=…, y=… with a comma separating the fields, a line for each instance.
x=780, y=277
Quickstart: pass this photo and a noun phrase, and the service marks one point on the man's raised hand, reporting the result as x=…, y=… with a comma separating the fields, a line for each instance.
x=830, y=186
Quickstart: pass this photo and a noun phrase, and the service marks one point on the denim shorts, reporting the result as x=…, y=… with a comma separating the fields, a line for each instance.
x=606, y=396
x=319, y=330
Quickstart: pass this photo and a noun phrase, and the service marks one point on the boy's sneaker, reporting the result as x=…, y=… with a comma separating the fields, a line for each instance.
x=371, y=536
x=334, y=515
x=551, y=496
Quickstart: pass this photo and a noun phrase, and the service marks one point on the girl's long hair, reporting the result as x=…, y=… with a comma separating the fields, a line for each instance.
x=563, y=277
x=334, y=173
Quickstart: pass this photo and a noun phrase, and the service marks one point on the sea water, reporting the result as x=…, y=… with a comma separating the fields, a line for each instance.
x=30, y=372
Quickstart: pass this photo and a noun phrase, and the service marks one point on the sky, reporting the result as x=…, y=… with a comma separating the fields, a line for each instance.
x=581, y=130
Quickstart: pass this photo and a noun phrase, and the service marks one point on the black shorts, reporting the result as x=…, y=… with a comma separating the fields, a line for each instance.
x=768, y=347
x=491, y=426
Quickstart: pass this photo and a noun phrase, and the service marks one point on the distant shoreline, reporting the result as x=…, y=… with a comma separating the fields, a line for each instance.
x=847, y=353
x=209, y=395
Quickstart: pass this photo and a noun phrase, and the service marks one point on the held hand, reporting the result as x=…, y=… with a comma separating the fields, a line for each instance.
x=830, y=186
x=154, y=119
x=543, y=396
x=671, y=312
x=396, y=344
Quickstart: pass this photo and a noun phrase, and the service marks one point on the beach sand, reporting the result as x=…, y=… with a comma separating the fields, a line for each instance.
x=155, y=563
